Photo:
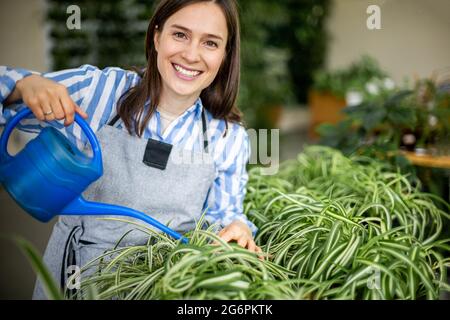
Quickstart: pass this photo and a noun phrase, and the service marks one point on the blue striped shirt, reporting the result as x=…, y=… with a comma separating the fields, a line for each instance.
x=97, y=93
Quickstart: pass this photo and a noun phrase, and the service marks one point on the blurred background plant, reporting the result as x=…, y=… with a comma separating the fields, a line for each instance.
x=333, y=90
x=112, y=33
x=364, y=76
x=392, y=120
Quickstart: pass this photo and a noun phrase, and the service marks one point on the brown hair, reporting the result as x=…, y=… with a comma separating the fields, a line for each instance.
x=221, y=95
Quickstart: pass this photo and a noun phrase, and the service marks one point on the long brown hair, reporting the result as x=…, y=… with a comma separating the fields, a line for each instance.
x=221, y=95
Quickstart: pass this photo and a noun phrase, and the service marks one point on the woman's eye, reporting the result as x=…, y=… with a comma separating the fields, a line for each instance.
x=211, y=44
x=179, y=35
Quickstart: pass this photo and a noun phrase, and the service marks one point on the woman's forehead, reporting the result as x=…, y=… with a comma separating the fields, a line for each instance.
x=201, y=18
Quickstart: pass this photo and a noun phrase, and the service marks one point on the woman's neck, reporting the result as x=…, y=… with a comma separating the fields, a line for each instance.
x=176, y=105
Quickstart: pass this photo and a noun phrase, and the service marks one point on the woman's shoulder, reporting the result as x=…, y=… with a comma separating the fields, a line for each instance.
x=229, y=141
x=221, y=129
x=110, y=70
x=94, y=77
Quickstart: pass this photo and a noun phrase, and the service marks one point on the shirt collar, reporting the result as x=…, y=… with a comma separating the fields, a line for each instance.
x=197, y=108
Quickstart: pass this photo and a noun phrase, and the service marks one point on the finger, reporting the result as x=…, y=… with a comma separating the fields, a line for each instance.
x=221, y=232
x=220, y=235
x=48, y=112
x=35, y=107
x=44, y=103
x=252, y=246
x=69, y=109
x=227, y=236
x=80, y=111
x=242, y=241
x=58, y=111
x=259, y=252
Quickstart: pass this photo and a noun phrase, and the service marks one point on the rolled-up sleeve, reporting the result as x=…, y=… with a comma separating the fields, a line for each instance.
x=226, y=196
x=95, y=90
x=8, y=79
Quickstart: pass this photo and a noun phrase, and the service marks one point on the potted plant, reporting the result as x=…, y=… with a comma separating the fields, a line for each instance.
x=334, y=90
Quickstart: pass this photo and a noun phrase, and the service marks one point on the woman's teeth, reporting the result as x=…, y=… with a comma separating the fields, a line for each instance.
x=185, y=72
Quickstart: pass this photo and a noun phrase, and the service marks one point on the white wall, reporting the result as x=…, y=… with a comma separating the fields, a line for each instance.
x=22, y=43
x=22, y=34
x=414, y=39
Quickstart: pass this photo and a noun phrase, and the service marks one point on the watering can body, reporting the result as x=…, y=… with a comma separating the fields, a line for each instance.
x=48, y=174
x=47, y=177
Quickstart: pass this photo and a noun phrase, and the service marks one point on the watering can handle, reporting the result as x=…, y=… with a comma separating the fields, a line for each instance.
x=4, y=155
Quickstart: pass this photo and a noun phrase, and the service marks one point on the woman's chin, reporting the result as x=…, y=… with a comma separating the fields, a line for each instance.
x=186, y=91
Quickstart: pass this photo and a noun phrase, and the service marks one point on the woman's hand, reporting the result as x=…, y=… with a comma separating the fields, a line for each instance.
x=241, y=233
x=47, y=99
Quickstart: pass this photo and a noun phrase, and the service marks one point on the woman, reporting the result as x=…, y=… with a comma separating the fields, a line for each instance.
x=185, y=101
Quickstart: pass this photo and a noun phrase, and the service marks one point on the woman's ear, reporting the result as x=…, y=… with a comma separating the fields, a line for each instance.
x=156, y=37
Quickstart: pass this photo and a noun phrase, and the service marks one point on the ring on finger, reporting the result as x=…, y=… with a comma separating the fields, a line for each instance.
x=48, y=113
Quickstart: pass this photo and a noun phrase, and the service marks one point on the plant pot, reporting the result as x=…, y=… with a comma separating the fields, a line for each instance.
x=270, y=117
x=324, y=108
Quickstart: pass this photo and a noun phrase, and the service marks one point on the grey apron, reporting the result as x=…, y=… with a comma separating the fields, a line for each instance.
x=164, y=181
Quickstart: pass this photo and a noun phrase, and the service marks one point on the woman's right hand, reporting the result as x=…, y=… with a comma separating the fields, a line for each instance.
x=48, y=100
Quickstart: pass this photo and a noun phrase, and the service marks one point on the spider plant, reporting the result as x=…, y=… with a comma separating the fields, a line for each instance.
x=349, y=228
x=330, y=226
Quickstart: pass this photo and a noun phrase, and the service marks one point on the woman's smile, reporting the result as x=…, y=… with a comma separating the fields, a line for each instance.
x=186, y=73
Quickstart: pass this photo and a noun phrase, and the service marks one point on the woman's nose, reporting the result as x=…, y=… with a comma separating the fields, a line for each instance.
x=191, y=53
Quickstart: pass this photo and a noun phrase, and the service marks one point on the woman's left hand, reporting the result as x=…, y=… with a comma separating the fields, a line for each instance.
x=241, y=233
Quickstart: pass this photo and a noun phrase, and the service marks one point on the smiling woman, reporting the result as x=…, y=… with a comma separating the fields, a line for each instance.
x=184, y=37
x=192, y=75
x=191, y=48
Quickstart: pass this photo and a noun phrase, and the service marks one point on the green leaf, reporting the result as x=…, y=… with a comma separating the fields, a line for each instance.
x=51, y=288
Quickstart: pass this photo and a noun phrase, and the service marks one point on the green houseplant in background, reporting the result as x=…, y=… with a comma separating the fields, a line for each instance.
x=333, y=90
x=394, y=120
x=355, y=77
x=377, y=126
x=307, y=38
x=279, y=54
x=265, y=81
x=112, y=33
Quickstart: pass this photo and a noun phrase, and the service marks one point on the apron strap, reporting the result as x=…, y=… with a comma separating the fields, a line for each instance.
x=205, y=134
x=68, y=258
x=113, y=121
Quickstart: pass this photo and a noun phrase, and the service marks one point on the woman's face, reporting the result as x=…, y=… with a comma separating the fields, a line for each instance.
x=191, y=48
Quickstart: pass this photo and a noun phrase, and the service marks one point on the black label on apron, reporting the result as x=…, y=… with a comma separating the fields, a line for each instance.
x=157, y=154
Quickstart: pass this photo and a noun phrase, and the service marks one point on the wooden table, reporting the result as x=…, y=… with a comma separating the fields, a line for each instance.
x=430, y=161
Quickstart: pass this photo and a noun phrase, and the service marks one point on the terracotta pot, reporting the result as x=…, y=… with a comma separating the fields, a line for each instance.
x=270, y=117
x=324, y=108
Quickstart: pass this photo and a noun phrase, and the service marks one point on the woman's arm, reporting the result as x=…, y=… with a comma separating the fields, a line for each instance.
x=41, y=95
x=225, y=199
x=87, y=90
x=8, y=79
x=13, y=97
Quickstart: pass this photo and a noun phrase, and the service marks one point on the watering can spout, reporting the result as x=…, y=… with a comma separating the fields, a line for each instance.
x=80, y=206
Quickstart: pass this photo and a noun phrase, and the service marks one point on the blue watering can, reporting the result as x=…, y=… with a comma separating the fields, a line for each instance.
x=47, y=177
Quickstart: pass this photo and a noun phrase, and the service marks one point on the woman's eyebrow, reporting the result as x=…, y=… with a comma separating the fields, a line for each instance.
x=210, y=35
